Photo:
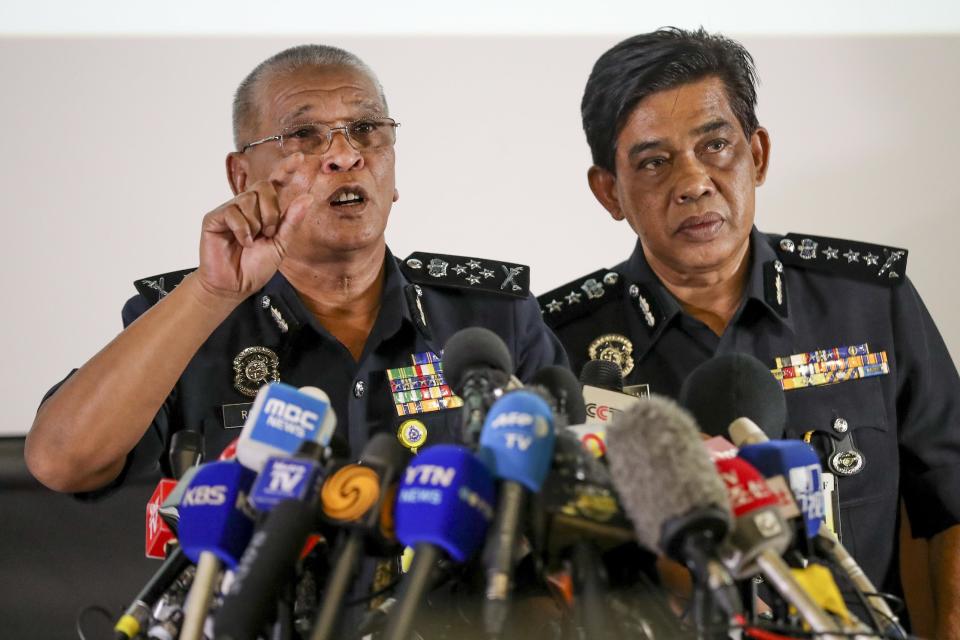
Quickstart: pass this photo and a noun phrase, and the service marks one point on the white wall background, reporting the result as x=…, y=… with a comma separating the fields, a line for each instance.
x=112, y=147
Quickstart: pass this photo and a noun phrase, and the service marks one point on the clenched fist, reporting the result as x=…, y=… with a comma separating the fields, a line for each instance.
x=244, y=240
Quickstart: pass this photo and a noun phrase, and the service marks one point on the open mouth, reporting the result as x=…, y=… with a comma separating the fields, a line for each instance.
x=346, y=197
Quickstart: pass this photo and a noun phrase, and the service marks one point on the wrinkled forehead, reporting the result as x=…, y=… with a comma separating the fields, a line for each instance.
x=317, y=94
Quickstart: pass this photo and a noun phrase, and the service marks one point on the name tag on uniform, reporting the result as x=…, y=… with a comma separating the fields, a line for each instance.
x=235, y=415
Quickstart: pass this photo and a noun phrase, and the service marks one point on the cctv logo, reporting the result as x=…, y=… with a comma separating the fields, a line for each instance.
x=290, y=418
x=205, y=495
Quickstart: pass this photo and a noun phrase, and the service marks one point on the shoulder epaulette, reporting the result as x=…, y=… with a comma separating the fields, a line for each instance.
x=860, y=260
x=580, y=297
x=156, y=287
x=462, y=272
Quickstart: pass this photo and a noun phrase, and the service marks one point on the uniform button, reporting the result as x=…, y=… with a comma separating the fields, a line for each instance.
x=840, y=425
x=359, y=389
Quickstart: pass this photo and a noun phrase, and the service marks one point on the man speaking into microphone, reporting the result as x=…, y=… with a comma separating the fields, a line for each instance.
x=295, y=284
x=678, y=153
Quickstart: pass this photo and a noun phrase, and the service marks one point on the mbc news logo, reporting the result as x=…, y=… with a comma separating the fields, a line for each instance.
x=290, y=418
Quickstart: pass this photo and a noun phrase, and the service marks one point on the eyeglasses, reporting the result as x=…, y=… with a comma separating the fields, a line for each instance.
x=316, y=137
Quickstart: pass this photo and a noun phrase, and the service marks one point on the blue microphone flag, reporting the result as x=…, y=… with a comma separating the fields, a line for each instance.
x=212, y=516
x=446, y=499
x=518, y=437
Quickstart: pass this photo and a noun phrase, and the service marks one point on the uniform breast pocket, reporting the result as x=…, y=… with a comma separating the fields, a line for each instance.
x=848, y=425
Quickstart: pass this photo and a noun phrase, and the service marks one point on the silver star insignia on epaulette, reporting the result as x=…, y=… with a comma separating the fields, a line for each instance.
x=157, y=285
x=554, y=306
x=831, y=253
x=871, y=259
x=573, y=297
x=473, y=264
x=459, y=269
x=487, y=273
x=473, y=279
x=852, y=256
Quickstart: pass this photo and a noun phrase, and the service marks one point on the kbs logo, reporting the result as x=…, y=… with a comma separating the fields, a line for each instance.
x=205, y=495
x=290, y=418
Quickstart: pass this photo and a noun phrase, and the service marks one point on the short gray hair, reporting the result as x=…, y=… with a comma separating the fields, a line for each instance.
x=245, y=109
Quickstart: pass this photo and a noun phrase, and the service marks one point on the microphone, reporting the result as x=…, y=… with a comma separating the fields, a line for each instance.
x=604, y=399
x=443, y=508
x=136, y=616
x=517, y=444
x=476, y=364
x=670, y=489
x=214, y=529
x=285, y=490
x=792, y=459
x=564, y=394
x=731, y=386
x=281, y=418
x=761, y=536
x=357, y=496
x=604, y=374
x=186, y=450
x=158, y=533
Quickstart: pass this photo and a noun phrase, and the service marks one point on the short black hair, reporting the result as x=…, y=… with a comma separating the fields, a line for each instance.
x=652, y=62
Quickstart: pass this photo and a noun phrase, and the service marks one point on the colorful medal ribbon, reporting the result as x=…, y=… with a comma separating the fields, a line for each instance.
x=421, y=387
x=829, y=366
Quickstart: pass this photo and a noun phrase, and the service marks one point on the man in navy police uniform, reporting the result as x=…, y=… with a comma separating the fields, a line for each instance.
x=678, y=153
x=296, y=284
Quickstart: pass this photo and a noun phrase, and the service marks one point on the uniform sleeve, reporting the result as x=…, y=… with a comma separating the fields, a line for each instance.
x=537, y=346
x=928, y=415
x=144, y=460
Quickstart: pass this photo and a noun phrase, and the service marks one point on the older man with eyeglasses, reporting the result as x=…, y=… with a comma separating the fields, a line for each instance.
x=295, y=283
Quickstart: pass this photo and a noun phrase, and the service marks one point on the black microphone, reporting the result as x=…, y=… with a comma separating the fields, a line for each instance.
x=288, y=487
x=671, y=491
x=603, y=374
x=354, y=496
x=186, y=450
x=133, y=620
x=565, y=394
x=476, y=363
x=731, y=386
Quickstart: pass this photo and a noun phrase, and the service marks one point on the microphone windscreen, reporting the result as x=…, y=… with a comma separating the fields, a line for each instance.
x=799, y=464
x=731, y=386
x=210, y=517
x=445, y=499
x=284, y=479
x=474, y=348
x=660, y=467
x=602, y=373
x=281, y=418
x=517, y=438
x=565, y=389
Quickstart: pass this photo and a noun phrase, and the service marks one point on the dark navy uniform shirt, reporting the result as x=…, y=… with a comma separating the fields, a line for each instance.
x=426, y=299
x=900, y=431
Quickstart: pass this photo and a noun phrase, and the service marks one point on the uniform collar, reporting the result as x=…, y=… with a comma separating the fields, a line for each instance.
x=393, y=310
x=760, y=290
